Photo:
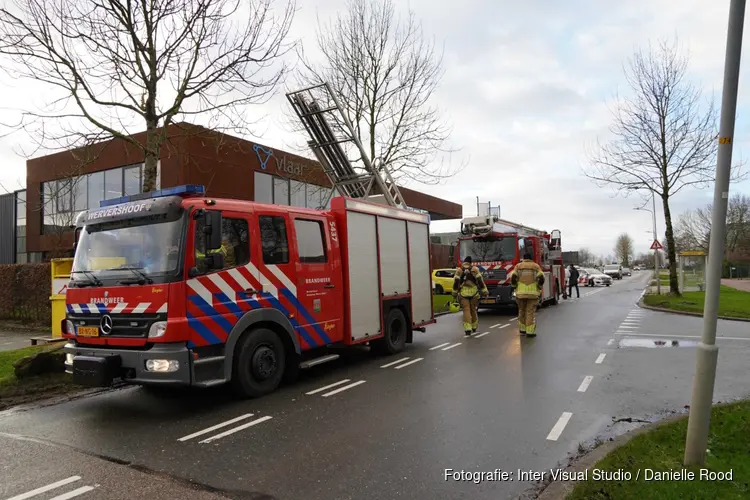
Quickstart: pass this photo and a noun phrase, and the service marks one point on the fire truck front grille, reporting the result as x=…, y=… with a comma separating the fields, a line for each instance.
x=495, y=274
x=123, y=325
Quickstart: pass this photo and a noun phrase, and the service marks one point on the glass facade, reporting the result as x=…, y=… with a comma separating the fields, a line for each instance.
x=282, y=191
x=63, y=199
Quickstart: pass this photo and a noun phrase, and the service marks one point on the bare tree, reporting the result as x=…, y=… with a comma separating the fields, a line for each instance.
x=585, y=257
x=663, y=138
x=384, y=74
x=624, y=249
x=147, y=65
x=694, y=226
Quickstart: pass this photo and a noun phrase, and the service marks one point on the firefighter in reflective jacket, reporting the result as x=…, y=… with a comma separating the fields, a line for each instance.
x=527, y=279
x=467, y=286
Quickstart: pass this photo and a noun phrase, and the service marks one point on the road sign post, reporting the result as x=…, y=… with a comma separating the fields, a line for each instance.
x=656, y=246
x=707, y=353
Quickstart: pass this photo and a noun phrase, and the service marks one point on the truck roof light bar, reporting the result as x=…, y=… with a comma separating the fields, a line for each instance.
x=185, y=191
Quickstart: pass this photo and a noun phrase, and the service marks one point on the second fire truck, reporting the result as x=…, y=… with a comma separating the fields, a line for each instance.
x=496, y=246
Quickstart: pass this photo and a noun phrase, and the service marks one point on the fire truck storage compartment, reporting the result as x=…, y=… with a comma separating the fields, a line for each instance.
x=421, y=282
x=362, y=254
x=394, y=267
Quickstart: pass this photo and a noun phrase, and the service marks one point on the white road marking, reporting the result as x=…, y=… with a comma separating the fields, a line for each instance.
x=439, y=346
x=495, y=326
x=217, y=426
x=340, y=389
x=657, y=335
x=74, y=493
x=481, y=335
x=611, y=341
x=44, y=489
x=475, y=334
x=559, y=426
x=600, y=358
x=328, y=387
x=394, y=362
x=632, y=321
x=452, y=346
x=585, y=384
x=236, y=429
x=409, y=363
x=628, y=326
x=506, y=324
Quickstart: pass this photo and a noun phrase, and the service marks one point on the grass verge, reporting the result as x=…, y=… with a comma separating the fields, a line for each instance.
x=441, y=303
x=733, y=303
x=14, y=391
x=662, y=450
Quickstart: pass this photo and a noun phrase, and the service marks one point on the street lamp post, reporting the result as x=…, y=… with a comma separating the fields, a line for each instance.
x=656, y=251
x=707, y=353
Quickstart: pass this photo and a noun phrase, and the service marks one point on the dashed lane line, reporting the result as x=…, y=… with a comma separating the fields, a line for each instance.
x=506, y=324
x=554, y=434
x=439, y=346
x=481, y=335
x=341, y=389
x=585, y=384
x=611, y=341
x=46, y=488
x=236, y=429
x=215, y=427
x=394, y=363
x=476, y=334
x=452, y=346
x=409, y=363
x=495, y=326
x=600, y=358
x=74, y=493
x=328, y=387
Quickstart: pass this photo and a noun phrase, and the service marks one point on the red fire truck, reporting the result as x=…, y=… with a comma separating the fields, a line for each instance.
x=176, y=287
x=496, y=246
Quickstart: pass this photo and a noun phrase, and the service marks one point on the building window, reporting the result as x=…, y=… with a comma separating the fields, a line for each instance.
x=263, y=188
x=21, y=256
x=95, y=189
x=310, y=238
x=273, y=239
x=132, y=182
x=298, y=194
x=112, y=183
x=280, y=191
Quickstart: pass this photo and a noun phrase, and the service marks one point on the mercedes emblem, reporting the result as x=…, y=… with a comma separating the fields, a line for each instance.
x=106, y=324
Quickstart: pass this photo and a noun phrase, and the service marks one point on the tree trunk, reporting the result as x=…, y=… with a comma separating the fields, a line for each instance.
x=152, y=156
x=671, y=253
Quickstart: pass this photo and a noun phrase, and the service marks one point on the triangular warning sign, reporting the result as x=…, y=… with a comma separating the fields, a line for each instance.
x=656, y=245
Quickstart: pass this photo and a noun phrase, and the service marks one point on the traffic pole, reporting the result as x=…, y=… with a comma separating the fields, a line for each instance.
x=707, y=352
x=656, y=250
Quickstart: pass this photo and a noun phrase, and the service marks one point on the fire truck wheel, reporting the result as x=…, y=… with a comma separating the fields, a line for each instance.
x=394, y=339
x=259, y=363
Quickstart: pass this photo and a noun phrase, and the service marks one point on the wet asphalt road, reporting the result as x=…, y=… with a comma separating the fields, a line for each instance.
x=387, y=428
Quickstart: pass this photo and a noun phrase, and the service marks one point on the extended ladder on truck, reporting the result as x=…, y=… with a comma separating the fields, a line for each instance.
x=327, y=146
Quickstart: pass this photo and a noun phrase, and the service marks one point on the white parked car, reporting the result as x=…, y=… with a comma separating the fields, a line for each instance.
x=595, y=278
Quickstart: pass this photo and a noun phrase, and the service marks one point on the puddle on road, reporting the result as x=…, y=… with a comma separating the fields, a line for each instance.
x=628, y=342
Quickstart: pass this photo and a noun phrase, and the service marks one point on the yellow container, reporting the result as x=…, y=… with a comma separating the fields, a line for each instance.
x=60, y=272
x=58, y=313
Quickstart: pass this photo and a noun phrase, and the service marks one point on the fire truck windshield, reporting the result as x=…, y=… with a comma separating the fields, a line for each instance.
x=489, y=249
x=112, y=252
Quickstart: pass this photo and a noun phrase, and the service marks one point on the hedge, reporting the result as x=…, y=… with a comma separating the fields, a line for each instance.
x=24, y=292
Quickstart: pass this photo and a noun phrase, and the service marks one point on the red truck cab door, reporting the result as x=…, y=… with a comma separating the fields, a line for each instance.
x=320, y=308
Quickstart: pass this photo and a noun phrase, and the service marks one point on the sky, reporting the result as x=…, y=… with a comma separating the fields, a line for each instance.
x=526, y=89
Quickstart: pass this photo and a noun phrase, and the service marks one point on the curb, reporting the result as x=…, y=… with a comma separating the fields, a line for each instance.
x=558, y=490
x=687, y=313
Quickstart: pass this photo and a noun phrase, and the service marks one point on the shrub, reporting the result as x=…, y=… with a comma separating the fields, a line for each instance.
x=24, y=292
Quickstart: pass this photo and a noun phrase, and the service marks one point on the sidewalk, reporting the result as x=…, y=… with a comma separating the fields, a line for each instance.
x=739, y=284
x=14, y=339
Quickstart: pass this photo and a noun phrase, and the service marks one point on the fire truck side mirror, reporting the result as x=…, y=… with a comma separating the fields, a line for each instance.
x=213, y=230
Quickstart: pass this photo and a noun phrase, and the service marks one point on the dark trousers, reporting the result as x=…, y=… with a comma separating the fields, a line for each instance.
x=570, y=289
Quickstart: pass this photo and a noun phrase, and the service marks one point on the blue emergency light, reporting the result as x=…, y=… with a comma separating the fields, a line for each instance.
x=185, y=191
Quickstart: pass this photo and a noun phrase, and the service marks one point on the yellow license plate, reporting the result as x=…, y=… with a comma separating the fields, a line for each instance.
x=487, y=301
x=88, y=331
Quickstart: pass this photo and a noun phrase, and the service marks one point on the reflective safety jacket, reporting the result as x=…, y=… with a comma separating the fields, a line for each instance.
x=527, y=278
x=468, y=281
